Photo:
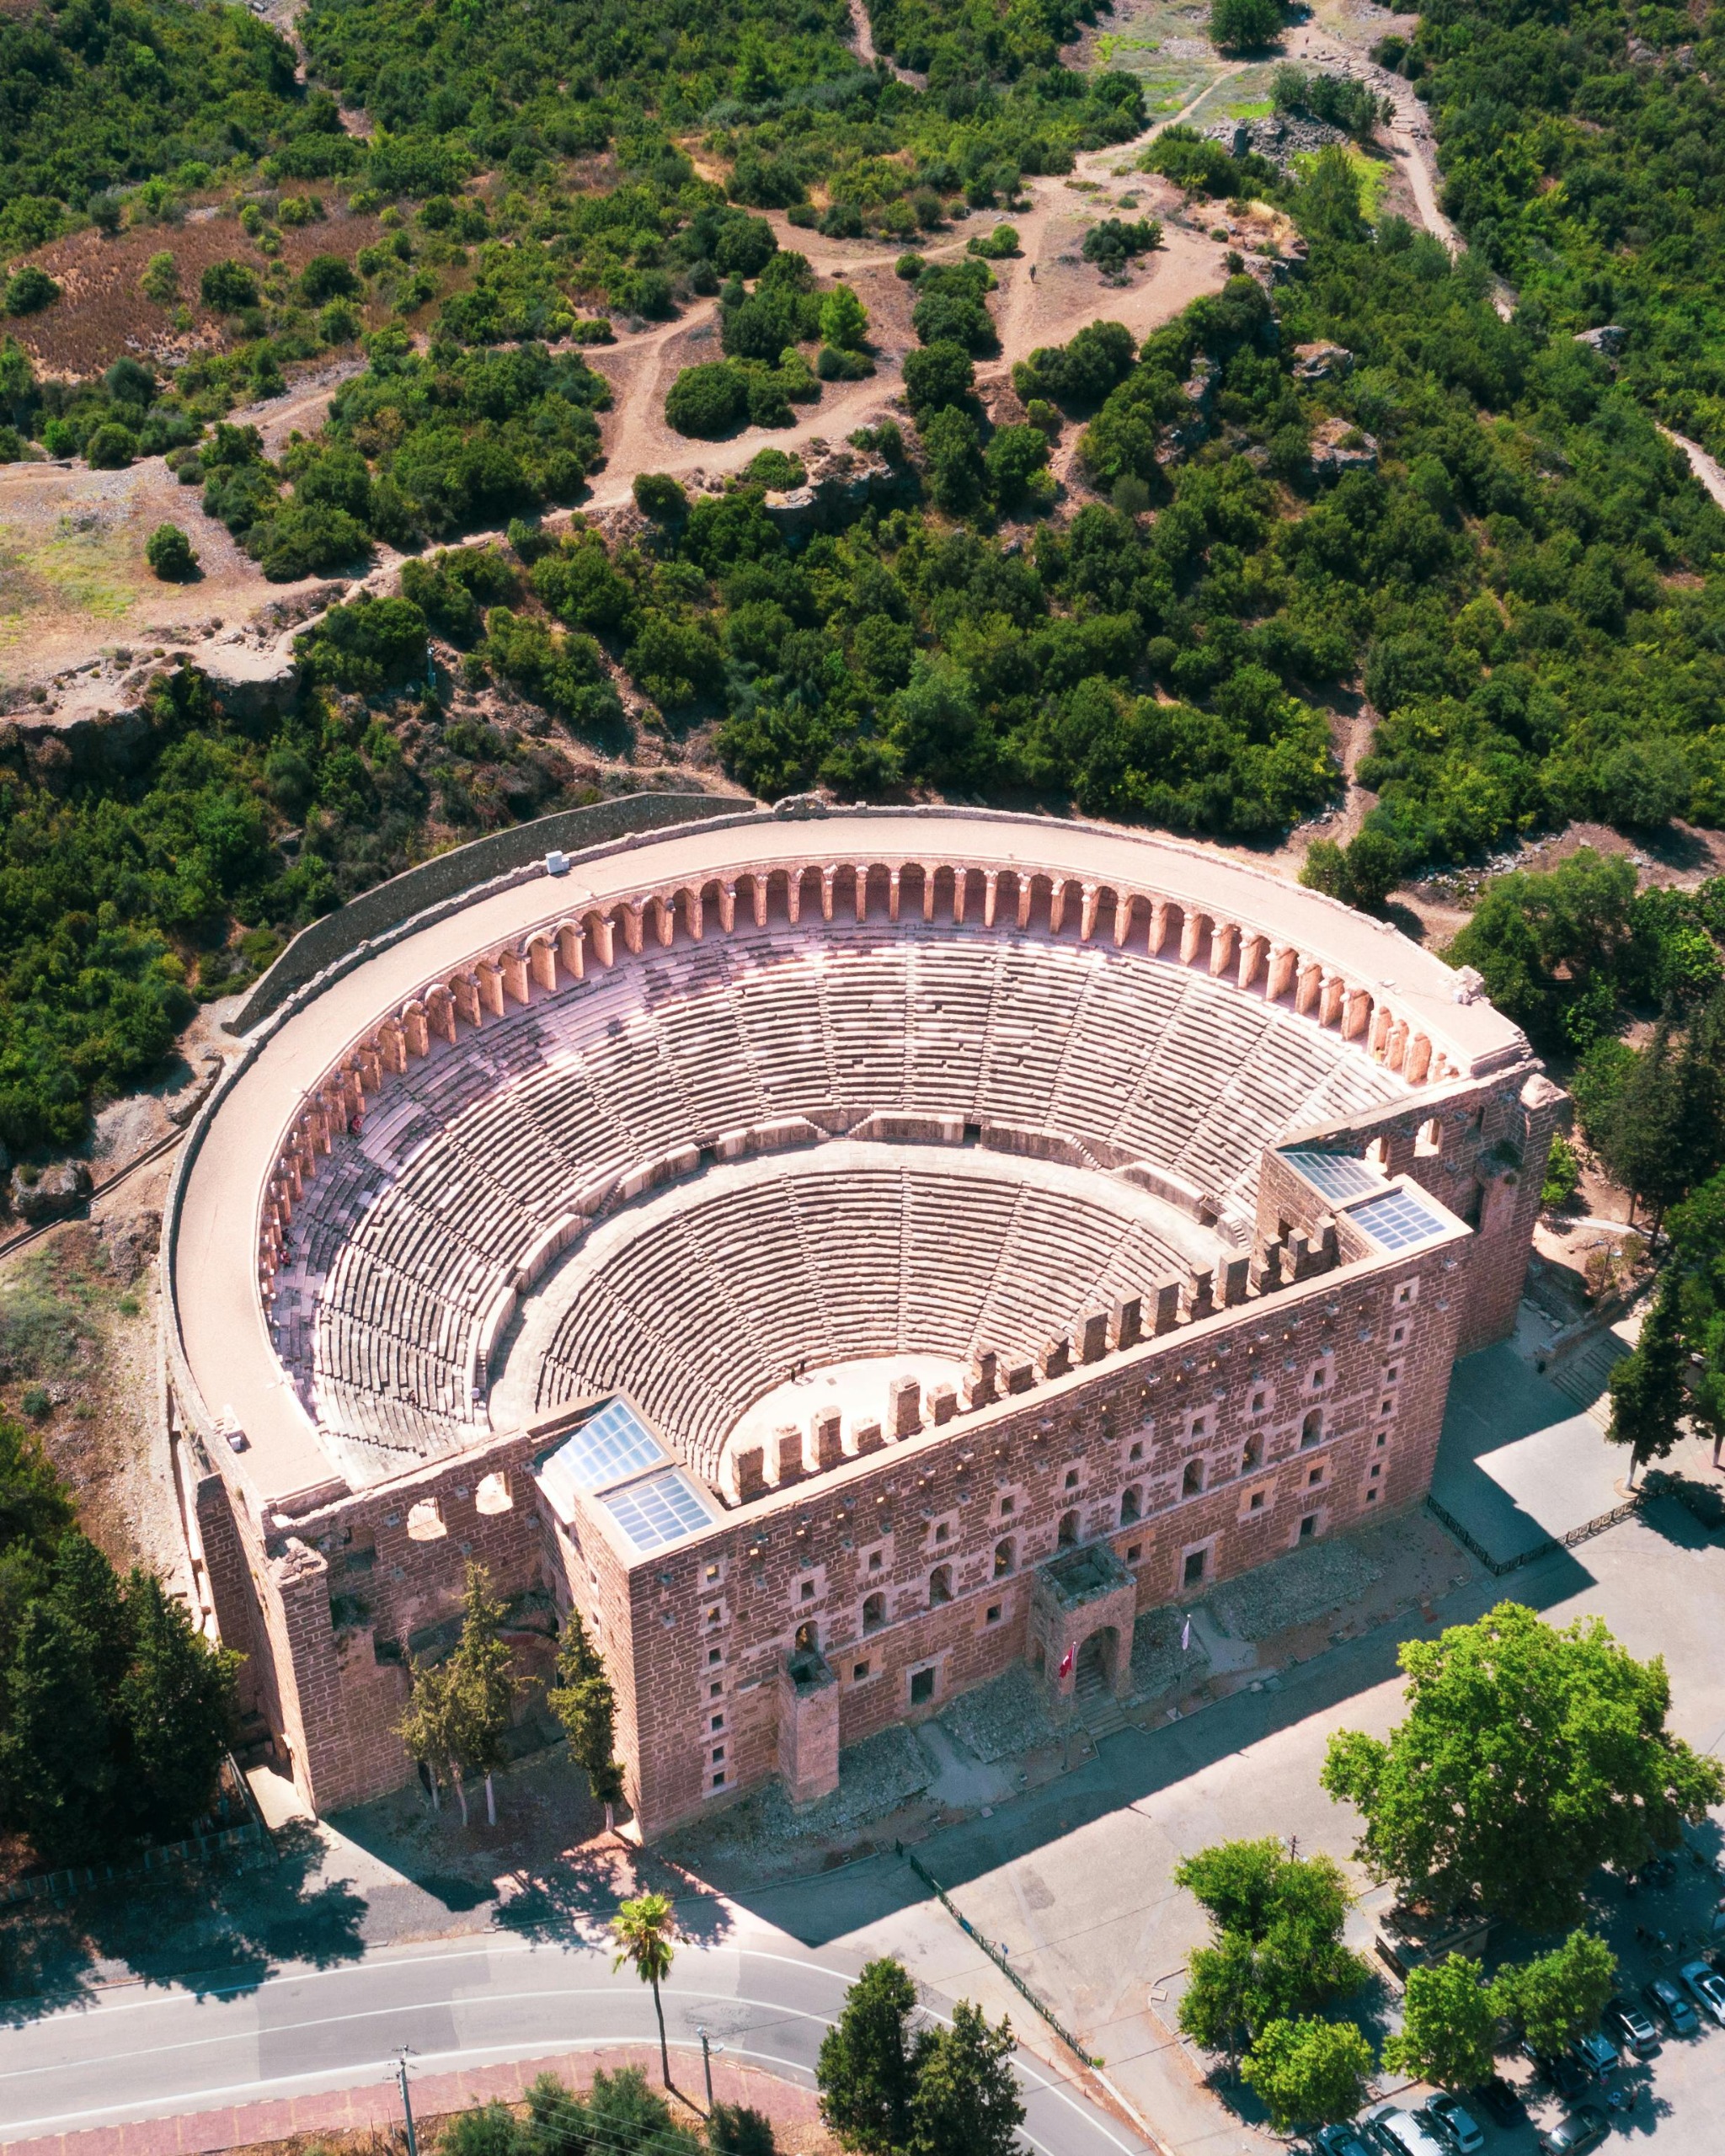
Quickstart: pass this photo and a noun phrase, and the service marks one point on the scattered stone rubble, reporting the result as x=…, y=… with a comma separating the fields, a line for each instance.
x=1278, y=138
x=1001, y=1719
x=1339, y=446
x=1305, y=1584
x=45, y=1193
x=1323, y=361
x=877, y=1778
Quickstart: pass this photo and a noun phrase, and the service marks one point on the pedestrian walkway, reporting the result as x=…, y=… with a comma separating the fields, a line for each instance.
x=791, y=2106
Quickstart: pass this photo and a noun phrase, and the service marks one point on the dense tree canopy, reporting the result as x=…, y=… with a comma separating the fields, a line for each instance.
x=113, y=1713
x=1530, y=1757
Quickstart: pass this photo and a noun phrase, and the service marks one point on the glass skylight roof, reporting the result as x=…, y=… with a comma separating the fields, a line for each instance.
x=1336, y=1174
x=616, y=1445
x=1397, y=1220
x=663, y=1509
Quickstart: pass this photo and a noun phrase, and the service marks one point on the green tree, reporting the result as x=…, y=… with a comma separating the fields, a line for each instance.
x=1449, y=2034
x=227, y=287
x=868, y=2068
x=644, y=1930
x=966, y=2102
x=1244, y=25
x=1560, y=1995
x=1649, y=1397
x=660, y=496
x=1563, y=1176
x=169, y=554
x=57, y=1766
x=708, y=400
x=1642, y=1143
x=177, y=1702
x=160, y=282
x=483, y=1685
x=1530, y=1757
x=484, y=2130
x=1308, y=2071
x=583, y=1700
x=431, y=1729
x=1696, y=1265
x=1278, y=1952
x=844, y=319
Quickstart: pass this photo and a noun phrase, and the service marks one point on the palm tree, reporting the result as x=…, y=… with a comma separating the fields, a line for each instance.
x=644, y=1930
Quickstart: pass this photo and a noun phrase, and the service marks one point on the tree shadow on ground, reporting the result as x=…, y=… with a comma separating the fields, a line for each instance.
x=222, y=1928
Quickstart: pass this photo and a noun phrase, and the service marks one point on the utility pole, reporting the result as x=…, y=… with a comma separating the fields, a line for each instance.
x=406, y=2101
x=708, y=2048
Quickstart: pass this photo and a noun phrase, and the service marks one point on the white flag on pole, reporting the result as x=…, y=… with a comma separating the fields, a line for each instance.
x=1185, y=1635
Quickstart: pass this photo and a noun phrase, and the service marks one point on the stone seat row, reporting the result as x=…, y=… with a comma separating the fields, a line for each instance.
x=474, y=1148
x=709, y=1310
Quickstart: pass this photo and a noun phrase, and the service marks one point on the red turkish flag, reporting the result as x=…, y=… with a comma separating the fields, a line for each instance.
x=1065, y=1662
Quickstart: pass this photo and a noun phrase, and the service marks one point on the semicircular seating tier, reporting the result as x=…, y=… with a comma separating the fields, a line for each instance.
x=698, y=1303
x=475, y=1161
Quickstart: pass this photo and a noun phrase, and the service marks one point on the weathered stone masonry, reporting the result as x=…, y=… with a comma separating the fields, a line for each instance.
x=857, y=1572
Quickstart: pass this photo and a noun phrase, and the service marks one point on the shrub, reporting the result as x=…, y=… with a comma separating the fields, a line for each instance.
x=111, y=448
x=660, y=496
x=169, y=553
x=160, y=282
x=1112, y=243
x=227, y=287
x=366, y=645
x=1244, y=25
x=938, y=376
x=997, y=246
x=708, y=400
x=327, y=277
x=29, y=289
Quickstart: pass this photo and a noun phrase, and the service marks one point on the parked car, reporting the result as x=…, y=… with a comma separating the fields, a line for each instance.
x=1625, y=2020
x=1595, y=2055
x=1454, y=2124
x=1500, y=2099
x=1403, y=2133
x=1562, y=2073
x=1339, y=2141
x=1585, y=2127
x=1667, y=2004
x=1706, y=1987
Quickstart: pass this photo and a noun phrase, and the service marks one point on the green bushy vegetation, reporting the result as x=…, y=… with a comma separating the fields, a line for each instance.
x=94, y=95
x=131, y=889
x=1583, y=155
x=113, y=1713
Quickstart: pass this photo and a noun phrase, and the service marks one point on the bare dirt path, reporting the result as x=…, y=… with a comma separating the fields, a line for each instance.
x=1706, y=468
x=867, y=53
x=73, y=583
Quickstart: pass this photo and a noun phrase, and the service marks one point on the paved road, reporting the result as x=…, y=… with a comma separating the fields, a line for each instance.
x=138, y=2054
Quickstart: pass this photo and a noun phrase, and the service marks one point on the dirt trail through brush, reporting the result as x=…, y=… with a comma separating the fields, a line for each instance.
x=72, y=541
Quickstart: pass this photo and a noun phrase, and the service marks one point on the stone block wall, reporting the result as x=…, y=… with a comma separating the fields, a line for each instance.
x=1210, y=1429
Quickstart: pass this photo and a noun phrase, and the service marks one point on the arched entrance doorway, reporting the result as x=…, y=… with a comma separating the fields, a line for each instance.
x=1094, y=1674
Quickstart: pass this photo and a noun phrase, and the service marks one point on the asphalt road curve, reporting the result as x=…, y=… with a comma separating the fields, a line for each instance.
x=135, y=2053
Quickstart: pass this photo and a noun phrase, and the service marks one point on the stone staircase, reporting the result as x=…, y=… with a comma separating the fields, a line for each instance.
x=1584, y=1376
x=1094, y=1706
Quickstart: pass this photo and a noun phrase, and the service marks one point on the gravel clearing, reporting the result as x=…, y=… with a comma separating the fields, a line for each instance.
x=1159, y=1662
x=875, y=1779
x=1298, y=1588
x=1007, y=1716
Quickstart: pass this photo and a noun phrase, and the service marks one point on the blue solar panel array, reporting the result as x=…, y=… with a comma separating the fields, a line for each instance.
x=614, y=1445
x=1397, y=1220
x=1336, y=1174
x=662, y=1510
